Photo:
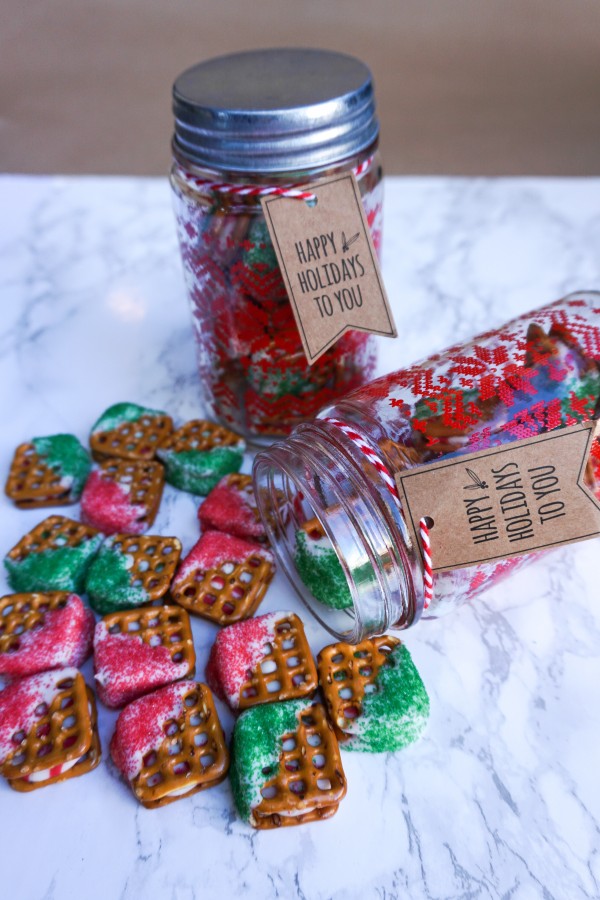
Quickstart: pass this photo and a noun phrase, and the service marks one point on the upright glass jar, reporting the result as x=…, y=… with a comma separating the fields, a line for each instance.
x=245, y=125
x=334, y=523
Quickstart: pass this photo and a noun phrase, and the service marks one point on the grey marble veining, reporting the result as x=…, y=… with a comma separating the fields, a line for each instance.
x=501, y=798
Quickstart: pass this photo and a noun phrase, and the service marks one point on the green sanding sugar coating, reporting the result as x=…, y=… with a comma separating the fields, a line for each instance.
x=262, y=254
x=321, y=571
x=63, y=569
x=64, y=453
x=109, y=585
x=586, y=387
x=279, y=381
x=256, y=749
x=198, y=471
x=120, y=413
x=395, y=715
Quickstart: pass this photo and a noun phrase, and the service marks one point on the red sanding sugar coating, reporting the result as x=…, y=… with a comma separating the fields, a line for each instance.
x=64, y=638
x=126, y=667
x=140, y=728
x=236, y=652
x=106, y=505
x=23, y=703
x=214, y=549
x=229, y=509
x=252, y=366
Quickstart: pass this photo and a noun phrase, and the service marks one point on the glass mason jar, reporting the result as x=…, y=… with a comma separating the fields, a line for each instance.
x=339, y=535
x=267, y=119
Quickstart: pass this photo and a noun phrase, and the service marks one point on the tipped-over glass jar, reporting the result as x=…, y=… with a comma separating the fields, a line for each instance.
x=246, y=125
x=337, y=530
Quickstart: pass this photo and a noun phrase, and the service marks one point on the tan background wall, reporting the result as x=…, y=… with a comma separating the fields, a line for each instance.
x=464, y=86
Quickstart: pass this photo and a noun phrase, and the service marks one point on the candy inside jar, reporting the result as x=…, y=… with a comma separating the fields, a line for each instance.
x=247, y=126
x=331, y=504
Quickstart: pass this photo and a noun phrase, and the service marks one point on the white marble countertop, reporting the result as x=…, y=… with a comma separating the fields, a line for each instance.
x=501, y=798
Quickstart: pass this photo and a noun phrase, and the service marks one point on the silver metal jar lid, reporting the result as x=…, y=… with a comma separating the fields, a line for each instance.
x=278, y=110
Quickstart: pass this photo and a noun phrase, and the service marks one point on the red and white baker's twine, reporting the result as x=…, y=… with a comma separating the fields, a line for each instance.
x=295, y=191
x=388, y=479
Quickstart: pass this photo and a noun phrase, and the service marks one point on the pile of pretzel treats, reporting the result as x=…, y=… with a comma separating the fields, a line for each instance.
x=102, y=585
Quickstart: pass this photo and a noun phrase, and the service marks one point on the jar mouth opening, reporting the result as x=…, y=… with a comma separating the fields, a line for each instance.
x=329, y=539
x=296, y=530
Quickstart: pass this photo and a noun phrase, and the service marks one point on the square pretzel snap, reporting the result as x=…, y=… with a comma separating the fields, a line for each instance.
x=131, y=570
x=39, y=632
x=223, y=578
x=170, y=744
x=319, y=567
x=129, y=431
x=53, y=556
x=123, y=496
x=48, y=471
x=262, y=660
x=286, y=767
x=198, y=454
x=47, y=729
x=374, y=694
x=231, y=507
x=138, y=650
